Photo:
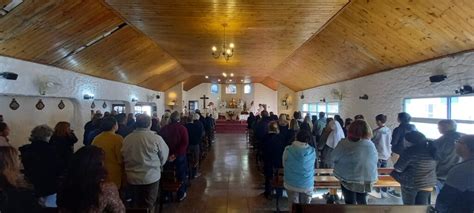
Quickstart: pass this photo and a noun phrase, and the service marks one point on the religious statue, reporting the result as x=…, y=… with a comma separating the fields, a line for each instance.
x=245, y=106
x=223, y=104
x=241, y=104
x=233, y=103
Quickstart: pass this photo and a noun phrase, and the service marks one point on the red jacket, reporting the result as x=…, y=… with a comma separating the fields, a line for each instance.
x=176, y=137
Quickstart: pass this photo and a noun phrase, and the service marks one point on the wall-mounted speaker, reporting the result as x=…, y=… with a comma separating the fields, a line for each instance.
x=157, y=96
x=437, y=78
x=9, y=75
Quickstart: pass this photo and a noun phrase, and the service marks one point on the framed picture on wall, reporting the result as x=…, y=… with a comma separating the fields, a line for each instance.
x=231, y=89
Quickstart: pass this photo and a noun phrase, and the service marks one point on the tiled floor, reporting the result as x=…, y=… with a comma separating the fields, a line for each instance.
x=230, y=182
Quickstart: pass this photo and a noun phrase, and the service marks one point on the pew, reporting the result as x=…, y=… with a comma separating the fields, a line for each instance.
x=303, y=208
x=128, y=210
x=332, y=183
x=168, y=183
x=330, y=171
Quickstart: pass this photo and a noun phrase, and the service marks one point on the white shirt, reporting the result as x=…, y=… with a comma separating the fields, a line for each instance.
x=144, y=153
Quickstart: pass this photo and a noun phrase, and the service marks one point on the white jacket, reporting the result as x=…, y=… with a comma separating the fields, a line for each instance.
x=144, y=153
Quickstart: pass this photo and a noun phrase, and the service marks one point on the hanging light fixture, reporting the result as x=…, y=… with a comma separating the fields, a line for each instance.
x=227, y=51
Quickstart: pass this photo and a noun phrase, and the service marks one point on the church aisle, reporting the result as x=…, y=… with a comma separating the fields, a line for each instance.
x=229, y=182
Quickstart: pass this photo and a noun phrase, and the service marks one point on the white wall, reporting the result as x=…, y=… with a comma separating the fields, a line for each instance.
x=198, y=91
x=74, y=87
x=264, y=95
x=387, y=90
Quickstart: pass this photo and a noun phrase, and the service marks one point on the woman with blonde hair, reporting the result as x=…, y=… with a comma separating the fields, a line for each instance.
x=284, y=129
x=355, y=163
x=165, y=119
x=14, y=196
x=294, y=128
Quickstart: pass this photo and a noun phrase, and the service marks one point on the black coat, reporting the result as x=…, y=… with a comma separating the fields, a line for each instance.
x=43, y=167
x=273, y=147
x=194, y=133
x=64, y=146
x=398, y=136
x=18, y=200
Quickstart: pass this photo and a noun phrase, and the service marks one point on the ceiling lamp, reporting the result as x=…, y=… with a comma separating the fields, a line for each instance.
x=232, y=75
x=224, y=74
x=207, y=77
x=227, y=51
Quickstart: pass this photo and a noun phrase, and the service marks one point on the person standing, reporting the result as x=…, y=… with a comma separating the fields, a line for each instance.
x=321, y=125
x=399, y=133
x=298, y=165
x=64, y=139
x=84, y=188
x=123, y=129
x=382, y=138
x=415, y=170
x=355, y=163
x=176, y=136
x=4, y=132
x=457, y=195
x=91, y=126
x=445, y=151
x=42, y=165
x=194, y=135
x=273, y=146
x=335, y=136
x=15, y=196
x=144, y=153
x=111, y=143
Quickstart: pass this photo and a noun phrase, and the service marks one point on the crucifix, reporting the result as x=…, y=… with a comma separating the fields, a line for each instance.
x=204, y=98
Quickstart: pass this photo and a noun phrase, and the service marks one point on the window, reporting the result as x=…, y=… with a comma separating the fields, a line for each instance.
x=119, y=108
x=214, y=89
x=247, y=89
x=143, y=109
x=330, y=108
x=427, y=112
x=231, y=89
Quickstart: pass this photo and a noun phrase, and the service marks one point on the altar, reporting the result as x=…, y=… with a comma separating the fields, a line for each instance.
x=230, y=113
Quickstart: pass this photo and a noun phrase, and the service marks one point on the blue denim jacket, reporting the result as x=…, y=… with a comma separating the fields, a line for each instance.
x=355, y=162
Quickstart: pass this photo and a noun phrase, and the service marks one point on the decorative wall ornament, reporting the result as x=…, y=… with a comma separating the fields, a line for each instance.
x=364, y=97
x=93, y=105
x=61, y=105
x=14, y=105
x=40, y=105
x=104, y=105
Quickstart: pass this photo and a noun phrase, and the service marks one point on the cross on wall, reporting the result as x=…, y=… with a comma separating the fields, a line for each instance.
x=204, y=98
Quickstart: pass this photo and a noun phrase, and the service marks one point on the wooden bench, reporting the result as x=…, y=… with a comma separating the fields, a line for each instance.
x=131, y=210
x=303, y=208
x=168, y=183
x=330, y=171
x=332, y=183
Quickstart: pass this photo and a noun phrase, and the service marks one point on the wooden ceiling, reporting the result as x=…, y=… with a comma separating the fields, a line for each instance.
x=301, y=44
x=264, y=32
x=374, y=36
x=47, y=31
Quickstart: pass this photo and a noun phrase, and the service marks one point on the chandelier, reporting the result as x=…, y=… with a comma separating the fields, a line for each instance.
x=227, y=51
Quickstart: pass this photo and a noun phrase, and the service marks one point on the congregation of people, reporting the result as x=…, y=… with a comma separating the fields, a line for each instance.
x=119, y=166
x=302, y=145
